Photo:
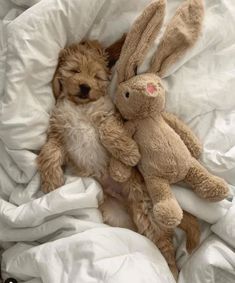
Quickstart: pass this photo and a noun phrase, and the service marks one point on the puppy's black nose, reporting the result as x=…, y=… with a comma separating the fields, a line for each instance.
x=84, y=90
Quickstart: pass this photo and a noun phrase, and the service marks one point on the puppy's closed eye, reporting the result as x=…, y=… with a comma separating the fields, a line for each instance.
x=75, y=71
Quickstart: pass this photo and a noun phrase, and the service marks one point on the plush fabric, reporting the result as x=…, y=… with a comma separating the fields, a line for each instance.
x=165, y=158
x=65, y=227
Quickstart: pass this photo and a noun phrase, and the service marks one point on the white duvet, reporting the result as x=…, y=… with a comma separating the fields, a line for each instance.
x=60, y=237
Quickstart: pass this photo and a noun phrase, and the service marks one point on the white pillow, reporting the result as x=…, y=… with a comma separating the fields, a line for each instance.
x=34, y=40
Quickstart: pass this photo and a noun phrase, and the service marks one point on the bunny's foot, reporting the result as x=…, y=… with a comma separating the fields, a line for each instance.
x=204, y=184
x=168, y=213
x=166, y=209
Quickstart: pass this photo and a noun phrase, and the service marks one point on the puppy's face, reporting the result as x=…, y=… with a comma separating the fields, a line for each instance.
x=82, y=73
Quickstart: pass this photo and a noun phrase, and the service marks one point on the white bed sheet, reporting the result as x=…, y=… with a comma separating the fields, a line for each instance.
x=65, y=227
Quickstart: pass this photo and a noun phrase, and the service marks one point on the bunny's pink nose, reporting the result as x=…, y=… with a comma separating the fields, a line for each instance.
x=151, y=88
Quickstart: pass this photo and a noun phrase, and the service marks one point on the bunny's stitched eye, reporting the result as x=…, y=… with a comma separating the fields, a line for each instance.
x=127, y=94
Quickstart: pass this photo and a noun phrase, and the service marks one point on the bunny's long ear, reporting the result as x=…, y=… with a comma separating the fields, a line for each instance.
x=139, y=39
x=181, y=33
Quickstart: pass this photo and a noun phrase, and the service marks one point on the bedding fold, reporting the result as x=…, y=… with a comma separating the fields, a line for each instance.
x=60, y=237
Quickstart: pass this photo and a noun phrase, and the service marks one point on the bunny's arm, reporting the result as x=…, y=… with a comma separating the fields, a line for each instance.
x=117, y=140
x=186, y=134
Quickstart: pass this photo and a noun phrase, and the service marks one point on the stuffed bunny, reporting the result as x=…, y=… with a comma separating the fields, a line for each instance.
x=168, y=148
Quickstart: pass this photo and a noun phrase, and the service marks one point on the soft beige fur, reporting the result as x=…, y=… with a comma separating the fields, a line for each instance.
x=78, y=124
x=168, y=148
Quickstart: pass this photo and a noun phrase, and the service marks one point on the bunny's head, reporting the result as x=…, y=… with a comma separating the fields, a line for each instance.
x=138, y=96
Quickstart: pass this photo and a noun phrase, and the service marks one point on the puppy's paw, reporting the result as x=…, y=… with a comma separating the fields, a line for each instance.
x=115, y=214
x=132, y=155
x=48, y=187
x=99, y=118
x=119, y=171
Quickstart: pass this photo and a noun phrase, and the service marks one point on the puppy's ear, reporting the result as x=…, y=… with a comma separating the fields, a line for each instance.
x=57, y=86
x=114, y=51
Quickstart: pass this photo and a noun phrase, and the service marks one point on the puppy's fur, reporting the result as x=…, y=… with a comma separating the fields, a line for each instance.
x=79, y=86
x=82, y=68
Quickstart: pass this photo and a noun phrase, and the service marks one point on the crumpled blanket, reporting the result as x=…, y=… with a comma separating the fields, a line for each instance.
x=60, y=237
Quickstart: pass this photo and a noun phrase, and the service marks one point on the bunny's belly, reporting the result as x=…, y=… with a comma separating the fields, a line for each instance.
x=165, y=155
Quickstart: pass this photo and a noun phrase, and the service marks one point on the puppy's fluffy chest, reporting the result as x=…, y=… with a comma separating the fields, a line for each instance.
x=81, y=137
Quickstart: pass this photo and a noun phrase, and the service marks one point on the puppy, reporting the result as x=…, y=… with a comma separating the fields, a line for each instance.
x=79, y=86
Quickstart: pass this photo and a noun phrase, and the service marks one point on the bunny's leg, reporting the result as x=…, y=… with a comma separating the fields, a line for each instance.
x=50, y=161
x=204, y=184
x=191, y=141
x=166, y=209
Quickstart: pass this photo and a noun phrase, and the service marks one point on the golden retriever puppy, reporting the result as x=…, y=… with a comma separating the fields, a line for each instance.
x=79, y=85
